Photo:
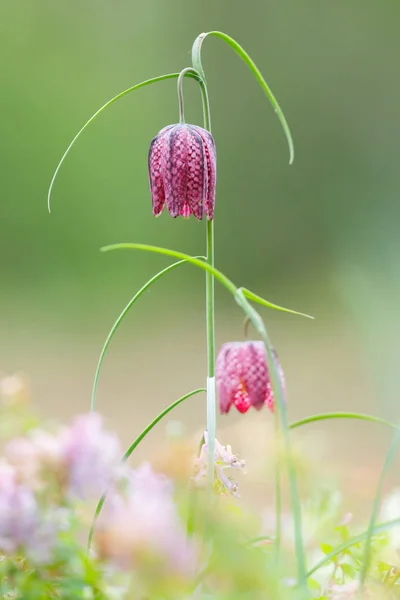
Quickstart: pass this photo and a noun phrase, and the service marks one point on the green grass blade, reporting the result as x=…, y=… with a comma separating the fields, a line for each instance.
x=120, y=319
x=375, y=506
x=372, y=528
x=99, y=111
x=342, y=415
x=351, y=542
x=133, y=446
x=251, y=296
x=196, y=61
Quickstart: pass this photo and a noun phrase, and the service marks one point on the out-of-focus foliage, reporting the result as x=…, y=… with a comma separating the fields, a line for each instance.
x=161, y=533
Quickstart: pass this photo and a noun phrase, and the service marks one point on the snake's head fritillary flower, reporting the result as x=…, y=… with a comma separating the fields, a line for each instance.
x=242, y=377
x=182, y=171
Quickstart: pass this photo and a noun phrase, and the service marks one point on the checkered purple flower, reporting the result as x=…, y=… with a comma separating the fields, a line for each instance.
x=182, y=171
x=242, y=377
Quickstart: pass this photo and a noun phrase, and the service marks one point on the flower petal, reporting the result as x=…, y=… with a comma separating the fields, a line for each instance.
x=197, y=173
x=155, y=171
x=211, y=162
x=174, y=165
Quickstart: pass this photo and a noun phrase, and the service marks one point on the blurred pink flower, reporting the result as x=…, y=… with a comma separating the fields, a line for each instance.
x=92, y=456
x=23, y=526
x=144, y=525
x=242, y=377
x=182, y=171
x=33, y=457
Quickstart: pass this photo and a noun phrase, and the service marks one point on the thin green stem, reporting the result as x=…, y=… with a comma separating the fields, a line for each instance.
x=210, y=311
x=119, y=321
x=133, y=446
x=185, y=73
x=278, y=490
x=196, y=60
x=210, y=300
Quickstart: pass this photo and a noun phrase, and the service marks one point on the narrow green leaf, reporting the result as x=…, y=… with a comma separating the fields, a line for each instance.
x=120, y=319
x=191, y=259
x=133, y=446
x=342, y=415
x=99, y=111
x=251, y=296
x=196, y=61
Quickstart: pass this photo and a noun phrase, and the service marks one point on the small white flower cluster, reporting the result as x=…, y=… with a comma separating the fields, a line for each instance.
x=223, y=459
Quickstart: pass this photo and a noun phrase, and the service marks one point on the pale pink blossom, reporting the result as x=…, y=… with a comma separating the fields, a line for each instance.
x=92, y=456
x=143, y=525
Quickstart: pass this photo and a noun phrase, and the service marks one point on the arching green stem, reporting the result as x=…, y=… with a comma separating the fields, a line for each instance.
x=120, y=319
x=196, y=61
x=103, y=108
x=189, y=71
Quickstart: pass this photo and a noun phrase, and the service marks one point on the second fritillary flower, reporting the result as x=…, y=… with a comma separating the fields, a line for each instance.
x=243, y=378
x=182, y=171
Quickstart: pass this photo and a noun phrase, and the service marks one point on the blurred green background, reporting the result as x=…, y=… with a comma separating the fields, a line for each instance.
x=319, y=236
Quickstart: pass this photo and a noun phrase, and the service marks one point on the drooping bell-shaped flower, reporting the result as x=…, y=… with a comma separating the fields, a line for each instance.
x=242, y=377
x=182, y=171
